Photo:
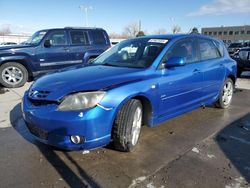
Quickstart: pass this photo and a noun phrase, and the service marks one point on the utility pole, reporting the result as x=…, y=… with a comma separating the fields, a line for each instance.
x=86, y=9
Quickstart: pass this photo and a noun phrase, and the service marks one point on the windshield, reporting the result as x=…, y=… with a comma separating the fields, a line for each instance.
x=134, y=53
x=36, y=38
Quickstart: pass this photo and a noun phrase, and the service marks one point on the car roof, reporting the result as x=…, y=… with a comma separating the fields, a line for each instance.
x=68, y=28
x=176, y=36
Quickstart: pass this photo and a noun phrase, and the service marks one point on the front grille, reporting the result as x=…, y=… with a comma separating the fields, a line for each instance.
x=38, y=132
x=42, y=102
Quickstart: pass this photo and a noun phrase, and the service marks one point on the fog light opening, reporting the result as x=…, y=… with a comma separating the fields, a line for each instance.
x=76, y=139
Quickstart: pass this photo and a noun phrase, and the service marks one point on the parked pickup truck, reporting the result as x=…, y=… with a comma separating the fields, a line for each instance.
x=48, y=50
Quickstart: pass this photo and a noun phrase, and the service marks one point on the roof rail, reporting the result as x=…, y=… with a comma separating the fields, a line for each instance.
x=68, y=27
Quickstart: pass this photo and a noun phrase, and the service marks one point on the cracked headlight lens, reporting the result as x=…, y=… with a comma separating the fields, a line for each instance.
x=80, y=101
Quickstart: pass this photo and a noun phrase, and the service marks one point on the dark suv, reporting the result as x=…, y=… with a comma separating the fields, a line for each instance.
x=234, y=48
x=48, y=50
x=243, y=60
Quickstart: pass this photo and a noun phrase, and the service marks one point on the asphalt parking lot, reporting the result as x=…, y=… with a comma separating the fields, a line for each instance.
x=204, y=148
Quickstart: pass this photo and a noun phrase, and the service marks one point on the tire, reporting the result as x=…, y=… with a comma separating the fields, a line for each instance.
x=127, y=126
x=239, y=72
x=226, y=94
x=13, y=75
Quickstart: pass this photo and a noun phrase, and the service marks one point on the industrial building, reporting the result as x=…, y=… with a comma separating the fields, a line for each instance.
x=229, y=34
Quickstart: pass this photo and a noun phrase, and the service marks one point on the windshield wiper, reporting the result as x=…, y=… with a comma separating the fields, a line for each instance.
x=111, y=65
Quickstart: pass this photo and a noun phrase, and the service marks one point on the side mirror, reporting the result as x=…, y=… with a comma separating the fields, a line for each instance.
x=47, y=43
x=174, y=62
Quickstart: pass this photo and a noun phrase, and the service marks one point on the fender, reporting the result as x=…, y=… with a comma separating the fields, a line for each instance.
x=140, y=89
x=24, y=60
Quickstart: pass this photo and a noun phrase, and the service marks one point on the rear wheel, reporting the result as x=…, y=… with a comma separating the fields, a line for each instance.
x=127, y=126
x=13, y=75
x=226, y=94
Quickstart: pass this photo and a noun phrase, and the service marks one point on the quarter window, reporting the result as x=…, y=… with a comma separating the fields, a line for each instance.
x=220, y=48
x=207, y=50
x=78, y=38
x=58, y=38
x=98, y=37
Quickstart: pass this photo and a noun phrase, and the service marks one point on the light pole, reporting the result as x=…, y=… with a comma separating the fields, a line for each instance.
x=86, y=9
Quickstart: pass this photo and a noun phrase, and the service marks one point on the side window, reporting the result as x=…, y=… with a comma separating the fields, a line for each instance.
x=185, y=49
x=207, y=49
x=78, y=37
x=98, y=37
x=57, y=38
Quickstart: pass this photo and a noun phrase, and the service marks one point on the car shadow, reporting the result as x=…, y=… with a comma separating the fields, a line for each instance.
x=51, y=154
x=234, y=141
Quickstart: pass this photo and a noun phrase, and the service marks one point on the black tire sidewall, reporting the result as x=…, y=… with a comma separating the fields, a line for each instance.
x=130, y=145
x=19, y=66
x=122, y=130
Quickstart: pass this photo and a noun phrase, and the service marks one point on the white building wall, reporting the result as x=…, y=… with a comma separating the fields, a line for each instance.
x=13, y=38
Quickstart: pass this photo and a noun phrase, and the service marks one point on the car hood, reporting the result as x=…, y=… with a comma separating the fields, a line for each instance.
x=91, y=78
x=14, y=47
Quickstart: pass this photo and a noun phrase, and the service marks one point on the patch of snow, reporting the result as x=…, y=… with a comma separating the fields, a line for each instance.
x=211, y=156
x=150, y=185
x=137, y=181
x=237, y=184
x=195, y=150
x=85, y=152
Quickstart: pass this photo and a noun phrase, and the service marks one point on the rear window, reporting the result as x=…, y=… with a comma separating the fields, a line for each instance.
x=99, y=37
x=78, y=38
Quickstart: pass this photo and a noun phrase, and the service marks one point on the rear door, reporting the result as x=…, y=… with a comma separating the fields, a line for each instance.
x=57, y=54
x=79, y=45
x=212, y=62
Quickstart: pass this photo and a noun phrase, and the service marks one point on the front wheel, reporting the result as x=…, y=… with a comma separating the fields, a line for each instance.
x=13, y=75
x=226, y=94
x=127, y=126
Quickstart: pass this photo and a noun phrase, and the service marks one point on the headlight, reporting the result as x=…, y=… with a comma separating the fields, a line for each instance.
x=81, y=101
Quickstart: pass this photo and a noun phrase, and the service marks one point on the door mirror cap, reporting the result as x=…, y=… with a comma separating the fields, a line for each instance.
x=47, y=43
x=174, y=62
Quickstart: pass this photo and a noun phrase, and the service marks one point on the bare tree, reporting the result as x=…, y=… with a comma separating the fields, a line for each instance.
x=160, y=31
x=5, y=31
x=114, y=35
x=176, y=29
x=131, y=29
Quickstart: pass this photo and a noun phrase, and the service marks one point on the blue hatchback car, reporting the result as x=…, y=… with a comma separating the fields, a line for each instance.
x=141, y=81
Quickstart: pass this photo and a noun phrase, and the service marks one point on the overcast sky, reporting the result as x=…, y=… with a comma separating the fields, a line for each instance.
x=113, y=15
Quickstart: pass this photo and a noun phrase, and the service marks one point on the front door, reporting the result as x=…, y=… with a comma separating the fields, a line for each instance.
x=181, y=87
x=57, y=54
